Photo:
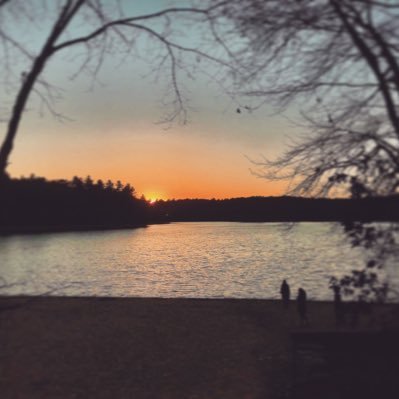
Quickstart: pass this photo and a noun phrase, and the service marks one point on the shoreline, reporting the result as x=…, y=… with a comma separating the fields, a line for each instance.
x=33, y=230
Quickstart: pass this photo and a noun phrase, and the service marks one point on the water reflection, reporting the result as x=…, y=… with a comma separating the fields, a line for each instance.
x=243, y=260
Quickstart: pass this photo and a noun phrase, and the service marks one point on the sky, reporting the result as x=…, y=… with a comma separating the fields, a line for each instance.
x=112, y=126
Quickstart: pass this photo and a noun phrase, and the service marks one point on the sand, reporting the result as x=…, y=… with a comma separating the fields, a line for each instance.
x=60, y=347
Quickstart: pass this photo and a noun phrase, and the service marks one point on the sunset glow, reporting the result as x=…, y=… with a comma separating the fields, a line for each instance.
x=152, y=200
x=205, y=159
x=111, y=131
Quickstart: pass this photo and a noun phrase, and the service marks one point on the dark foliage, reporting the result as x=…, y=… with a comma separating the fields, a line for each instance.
x=35, y=204
x=378, y=241
x=278, y=209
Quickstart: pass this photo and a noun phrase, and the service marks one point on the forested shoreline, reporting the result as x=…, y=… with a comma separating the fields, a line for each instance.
x=34, y=204
x=279, y=209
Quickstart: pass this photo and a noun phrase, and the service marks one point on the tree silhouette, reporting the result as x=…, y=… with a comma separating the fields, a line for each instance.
x=106, y=27
x=68, y=205
x=339, y=60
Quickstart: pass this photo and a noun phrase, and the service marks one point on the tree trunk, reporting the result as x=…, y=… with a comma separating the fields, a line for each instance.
x=4, y=154
x=17, y=111
x=68, y=11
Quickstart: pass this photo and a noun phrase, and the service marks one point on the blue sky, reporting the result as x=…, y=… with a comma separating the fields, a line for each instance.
x=112, y=128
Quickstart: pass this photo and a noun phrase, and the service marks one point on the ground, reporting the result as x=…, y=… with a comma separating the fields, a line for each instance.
x=59, y=347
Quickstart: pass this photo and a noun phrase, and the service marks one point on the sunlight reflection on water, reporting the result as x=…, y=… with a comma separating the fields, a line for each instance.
x=207, y=259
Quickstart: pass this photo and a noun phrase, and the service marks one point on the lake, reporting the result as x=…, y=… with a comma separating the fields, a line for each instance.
x=204, y=259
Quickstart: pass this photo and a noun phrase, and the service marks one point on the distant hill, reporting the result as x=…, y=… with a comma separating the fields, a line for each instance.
x=277, y=209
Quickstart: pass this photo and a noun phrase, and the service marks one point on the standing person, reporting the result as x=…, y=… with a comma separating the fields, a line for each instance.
x=285, y=293
x=302, y=307
x=338, y=306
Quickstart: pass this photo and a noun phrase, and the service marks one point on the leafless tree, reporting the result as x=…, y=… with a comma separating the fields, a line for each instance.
x=337, y=61
x=99, y=28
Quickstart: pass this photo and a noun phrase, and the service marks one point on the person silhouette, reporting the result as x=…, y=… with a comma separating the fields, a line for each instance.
x=302, y=306
x=285, y=293
x=338, y=306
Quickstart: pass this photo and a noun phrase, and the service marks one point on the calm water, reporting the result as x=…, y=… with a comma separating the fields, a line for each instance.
x=241, y=260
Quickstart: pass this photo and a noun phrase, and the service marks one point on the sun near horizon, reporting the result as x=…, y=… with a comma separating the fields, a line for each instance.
x=112, y=132
x=178, y=164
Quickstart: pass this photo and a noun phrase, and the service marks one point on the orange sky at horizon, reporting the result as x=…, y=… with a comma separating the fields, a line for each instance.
x=175, y=164
x=111, y=130
x=112, y=138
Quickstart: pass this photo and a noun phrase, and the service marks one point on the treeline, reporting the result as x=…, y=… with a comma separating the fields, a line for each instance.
x=278, y=209
x=36, y=204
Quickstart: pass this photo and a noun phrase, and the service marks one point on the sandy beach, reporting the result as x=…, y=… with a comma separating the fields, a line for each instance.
x=62, y=347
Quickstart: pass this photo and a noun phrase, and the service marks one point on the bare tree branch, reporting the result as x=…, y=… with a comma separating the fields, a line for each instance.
x=105, y=23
